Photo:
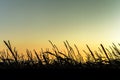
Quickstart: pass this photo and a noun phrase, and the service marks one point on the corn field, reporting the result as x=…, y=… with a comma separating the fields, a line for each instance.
x=56, y=59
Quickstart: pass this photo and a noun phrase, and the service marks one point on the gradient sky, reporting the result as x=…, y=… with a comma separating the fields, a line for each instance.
x=31, y=23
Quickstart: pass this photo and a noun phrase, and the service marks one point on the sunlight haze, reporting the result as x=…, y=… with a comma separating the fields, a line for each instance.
x=31, y=23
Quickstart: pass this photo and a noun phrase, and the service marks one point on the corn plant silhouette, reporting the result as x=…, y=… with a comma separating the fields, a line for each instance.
x=105, y=58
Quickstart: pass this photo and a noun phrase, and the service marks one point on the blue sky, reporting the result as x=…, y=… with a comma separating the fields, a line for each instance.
x=31, y=23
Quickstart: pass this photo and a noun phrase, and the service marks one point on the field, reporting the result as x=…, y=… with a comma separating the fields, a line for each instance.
x=54, y=62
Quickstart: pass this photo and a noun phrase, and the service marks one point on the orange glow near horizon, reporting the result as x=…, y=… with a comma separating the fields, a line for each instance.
x=81, y=46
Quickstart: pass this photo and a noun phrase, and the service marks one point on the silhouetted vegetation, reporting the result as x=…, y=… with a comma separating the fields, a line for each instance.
x=56, y=59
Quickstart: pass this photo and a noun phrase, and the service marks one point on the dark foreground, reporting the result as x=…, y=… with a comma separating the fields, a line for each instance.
x=60, y=74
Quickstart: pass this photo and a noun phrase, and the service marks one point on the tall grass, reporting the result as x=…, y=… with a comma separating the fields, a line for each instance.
x=73, y=58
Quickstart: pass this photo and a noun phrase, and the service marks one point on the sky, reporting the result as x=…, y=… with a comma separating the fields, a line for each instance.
x=31, y=23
